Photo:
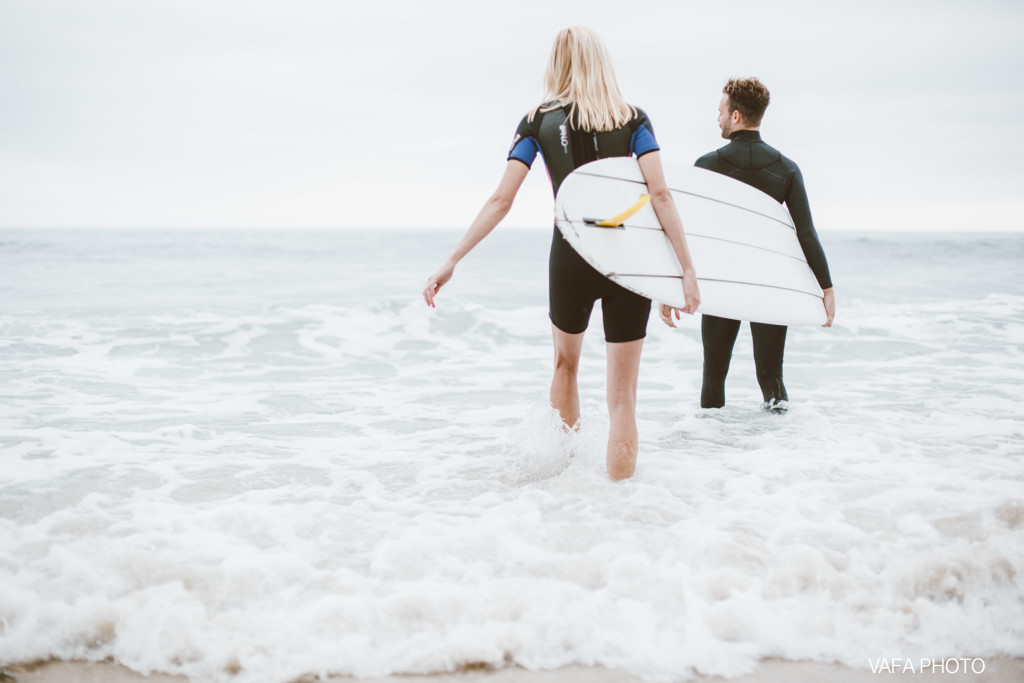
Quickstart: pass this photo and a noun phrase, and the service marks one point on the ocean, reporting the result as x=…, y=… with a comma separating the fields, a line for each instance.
x=253, y=455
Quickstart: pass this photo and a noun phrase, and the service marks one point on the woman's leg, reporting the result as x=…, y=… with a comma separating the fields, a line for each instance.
x=565, y=395
x=623, y=368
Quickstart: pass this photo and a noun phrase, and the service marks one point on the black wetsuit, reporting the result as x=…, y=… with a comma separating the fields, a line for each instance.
x=573, y=284
x=749, y=159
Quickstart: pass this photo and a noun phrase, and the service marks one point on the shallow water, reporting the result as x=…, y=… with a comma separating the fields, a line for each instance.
x=259, y=451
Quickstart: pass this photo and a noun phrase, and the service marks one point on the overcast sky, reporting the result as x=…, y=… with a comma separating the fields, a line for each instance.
x=905, y=115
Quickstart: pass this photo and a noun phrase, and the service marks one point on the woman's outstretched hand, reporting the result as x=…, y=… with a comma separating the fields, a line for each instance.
x=436, y=281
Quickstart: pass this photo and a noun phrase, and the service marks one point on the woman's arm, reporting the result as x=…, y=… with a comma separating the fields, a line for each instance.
x=496, y=208
x=668, y=216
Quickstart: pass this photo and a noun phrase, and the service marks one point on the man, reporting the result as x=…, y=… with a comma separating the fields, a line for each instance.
x=747, y=158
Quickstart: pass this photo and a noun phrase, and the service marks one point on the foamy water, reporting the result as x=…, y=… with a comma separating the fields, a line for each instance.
x=249, y=456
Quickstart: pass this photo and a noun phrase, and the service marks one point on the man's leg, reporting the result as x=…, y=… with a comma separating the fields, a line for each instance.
x=769, y=348
x=565, y=395
x=623, y=368
x=718, y=336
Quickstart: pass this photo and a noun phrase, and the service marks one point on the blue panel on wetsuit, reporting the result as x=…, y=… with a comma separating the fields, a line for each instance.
x=642, y=142
x=525, y=150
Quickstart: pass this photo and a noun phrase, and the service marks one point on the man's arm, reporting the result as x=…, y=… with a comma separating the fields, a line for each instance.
x=800, y=210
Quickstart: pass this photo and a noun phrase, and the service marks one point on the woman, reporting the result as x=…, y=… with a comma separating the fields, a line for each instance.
x=585, y=118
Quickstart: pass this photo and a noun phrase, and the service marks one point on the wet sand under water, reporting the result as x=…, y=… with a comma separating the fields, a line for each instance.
x=996, y=670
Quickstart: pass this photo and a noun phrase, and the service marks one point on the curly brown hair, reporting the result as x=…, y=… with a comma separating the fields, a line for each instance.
x=749, y=96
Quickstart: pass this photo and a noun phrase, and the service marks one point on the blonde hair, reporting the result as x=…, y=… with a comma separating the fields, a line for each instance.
x=580, y=74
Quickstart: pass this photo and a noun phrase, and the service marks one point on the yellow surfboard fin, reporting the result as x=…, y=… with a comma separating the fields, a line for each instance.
x=617, y=221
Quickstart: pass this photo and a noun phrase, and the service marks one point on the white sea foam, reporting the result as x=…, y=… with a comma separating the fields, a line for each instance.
x=260, y=452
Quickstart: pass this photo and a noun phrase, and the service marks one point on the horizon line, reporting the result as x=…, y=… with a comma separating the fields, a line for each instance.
x=828, y=229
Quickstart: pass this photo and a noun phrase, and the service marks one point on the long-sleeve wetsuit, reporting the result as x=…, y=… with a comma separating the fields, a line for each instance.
x=749, y=159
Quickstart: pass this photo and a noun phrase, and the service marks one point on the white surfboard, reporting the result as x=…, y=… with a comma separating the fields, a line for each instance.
x=749, y=262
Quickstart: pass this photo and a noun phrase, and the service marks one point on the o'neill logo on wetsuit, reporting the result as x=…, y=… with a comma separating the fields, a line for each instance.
x=563, y=133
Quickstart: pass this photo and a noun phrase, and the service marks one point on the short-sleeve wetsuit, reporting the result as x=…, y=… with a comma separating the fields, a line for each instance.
x=749, y=159
x=573, y=284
